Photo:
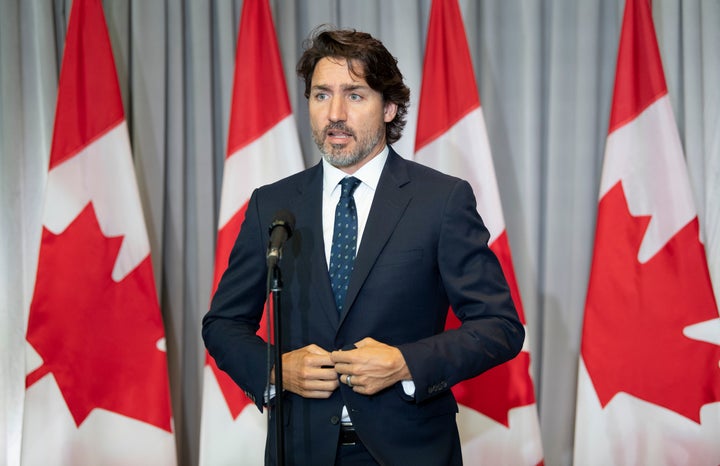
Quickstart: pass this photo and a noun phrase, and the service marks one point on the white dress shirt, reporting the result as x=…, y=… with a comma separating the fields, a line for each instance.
x=369, y=176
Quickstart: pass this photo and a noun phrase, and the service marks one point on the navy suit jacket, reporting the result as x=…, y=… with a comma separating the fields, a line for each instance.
x=424, y=249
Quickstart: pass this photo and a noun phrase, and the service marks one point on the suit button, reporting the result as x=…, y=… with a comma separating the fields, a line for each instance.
x=334, y=420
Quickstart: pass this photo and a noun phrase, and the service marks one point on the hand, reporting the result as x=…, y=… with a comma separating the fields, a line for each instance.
x=372, y=366
x=308, y=372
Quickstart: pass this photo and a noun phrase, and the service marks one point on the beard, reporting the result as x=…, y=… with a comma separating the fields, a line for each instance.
x=338, y=155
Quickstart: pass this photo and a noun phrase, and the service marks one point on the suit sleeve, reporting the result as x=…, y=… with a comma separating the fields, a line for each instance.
x=490, y=332
x=229, y=328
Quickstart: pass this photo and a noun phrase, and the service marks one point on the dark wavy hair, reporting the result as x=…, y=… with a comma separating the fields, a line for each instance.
x=379, y=67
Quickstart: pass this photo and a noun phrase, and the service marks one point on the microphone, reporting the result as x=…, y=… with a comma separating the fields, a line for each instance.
x=280, y=230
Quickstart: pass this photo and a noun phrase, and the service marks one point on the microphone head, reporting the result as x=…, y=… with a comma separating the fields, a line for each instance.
x=285, y=219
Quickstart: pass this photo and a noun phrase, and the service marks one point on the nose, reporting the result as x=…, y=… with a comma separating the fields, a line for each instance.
x=338, y=109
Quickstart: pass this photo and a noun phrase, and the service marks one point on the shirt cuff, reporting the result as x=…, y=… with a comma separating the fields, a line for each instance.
x=270, y=393
x=408, y=387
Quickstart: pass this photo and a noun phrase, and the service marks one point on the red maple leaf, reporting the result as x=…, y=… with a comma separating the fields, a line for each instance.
x=98, y=337
x=633, y=338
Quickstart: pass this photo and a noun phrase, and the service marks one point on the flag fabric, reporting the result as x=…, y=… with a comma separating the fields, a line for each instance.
x=649, y=379
x=263, y=147
x=498, y=421
x=97, y=383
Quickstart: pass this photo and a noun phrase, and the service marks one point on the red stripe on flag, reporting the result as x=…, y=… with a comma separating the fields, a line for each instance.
x=448, y=99
x=447, y=66
x=639, y=79
x=89, y=102
x=259, y=103
x=234, y=397
x=260, y=98
x=225, y=241
x=501, y=248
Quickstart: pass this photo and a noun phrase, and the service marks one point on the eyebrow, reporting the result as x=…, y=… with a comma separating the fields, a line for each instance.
x=344, y=87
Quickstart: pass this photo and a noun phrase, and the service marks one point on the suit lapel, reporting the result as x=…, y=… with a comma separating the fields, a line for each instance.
x=309, y=207
x=388, y=205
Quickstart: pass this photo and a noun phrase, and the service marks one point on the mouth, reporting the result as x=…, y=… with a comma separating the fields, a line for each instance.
x=338, y=135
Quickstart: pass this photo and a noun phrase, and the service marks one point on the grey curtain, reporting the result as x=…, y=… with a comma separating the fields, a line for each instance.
x=544, y=69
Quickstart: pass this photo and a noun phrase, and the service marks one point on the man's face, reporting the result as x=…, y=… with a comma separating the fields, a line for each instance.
x=347, y=117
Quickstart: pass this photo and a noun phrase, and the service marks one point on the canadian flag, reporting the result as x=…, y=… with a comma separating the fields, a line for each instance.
x=649, y=377
x=498, y=420
x=263, y=147
x=97, y=383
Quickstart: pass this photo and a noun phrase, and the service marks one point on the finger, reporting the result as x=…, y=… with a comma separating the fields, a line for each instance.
x=315, y=387
x=367, y=341
x=320, y=385
x=315, y=349
x=315, y=371
x=314, y=355
x=322, y=374
x=344, y=368
x=319, y=361
x=318, y=357
x=318, y=394
x=343, y=357
x=349, y=380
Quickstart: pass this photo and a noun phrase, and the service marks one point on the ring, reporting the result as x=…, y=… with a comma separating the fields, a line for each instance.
x=347, y=381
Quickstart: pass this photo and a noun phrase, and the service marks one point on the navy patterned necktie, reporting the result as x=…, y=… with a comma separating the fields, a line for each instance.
x=342, y=253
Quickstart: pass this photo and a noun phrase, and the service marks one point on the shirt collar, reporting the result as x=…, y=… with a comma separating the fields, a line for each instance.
x=368, y=174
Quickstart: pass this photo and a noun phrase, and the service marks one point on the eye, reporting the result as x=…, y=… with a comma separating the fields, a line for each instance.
x=355, y=97
x=321, y=96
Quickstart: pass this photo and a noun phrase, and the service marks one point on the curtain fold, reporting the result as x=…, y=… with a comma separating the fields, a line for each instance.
x=545, y=73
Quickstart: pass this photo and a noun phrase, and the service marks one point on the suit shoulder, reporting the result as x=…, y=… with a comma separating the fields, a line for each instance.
x=423, y=171
x=418, y=171
x=290, y=184
x=432, y=182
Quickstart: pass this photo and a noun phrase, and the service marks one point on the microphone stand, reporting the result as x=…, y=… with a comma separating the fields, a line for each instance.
x=275, y=291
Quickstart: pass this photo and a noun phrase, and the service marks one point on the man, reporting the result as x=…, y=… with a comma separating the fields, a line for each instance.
x=367, y=366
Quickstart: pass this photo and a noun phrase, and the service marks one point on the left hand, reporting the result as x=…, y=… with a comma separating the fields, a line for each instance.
x=373, y=366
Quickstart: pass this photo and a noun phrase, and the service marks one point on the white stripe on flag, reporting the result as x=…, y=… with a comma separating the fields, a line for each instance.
x=103, y=174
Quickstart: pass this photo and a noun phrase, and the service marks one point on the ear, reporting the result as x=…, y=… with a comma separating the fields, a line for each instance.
x=389, y=112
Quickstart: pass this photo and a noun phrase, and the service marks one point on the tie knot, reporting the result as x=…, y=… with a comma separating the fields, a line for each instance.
x=348, y=186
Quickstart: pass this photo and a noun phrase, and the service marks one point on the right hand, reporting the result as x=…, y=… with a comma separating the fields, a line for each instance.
x=308, y=372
